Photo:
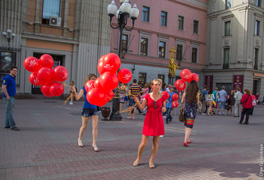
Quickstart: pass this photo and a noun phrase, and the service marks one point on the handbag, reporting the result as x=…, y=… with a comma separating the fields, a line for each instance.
x=181, y=116
x=254, y=103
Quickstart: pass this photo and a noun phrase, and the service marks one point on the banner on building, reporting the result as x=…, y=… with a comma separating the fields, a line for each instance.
x=238, y=82
x=209, y=82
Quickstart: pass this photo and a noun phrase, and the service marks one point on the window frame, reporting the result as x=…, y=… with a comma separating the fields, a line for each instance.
x=196, y=59
x=46, y=20
x=226, y=4
x=258, y=3
x=148, y=14
x=182, y=45
x=256, y=58
x=225, y=28
x=226, y=65
x=166, y=18
x=140, y=77
x=123, y=43
x=165, y=49
x=182, y=23
x=198, y=25
x=146, y=37
x=257, y=29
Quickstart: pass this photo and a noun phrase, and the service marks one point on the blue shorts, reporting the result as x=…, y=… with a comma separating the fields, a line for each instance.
x=221, y=105
x=132, y=102
x=126, y=98
x=87, y=112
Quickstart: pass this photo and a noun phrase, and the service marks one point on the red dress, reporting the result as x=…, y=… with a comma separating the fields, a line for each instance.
x=153, y=124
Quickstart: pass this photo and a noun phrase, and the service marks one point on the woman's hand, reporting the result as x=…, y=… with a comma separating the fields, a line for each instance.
x=163, y=109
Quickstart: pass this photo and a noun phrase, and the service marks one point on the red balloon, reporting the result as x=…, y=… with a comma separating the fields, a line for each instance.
x=109, y=95
x=175, y=97
x=56, y=89
x=89, y=85
x=195, y=77
x=175, y=104
x=124, y=75
x=46, y=61
x=97, y=83
x=31, y=64
x=180, y=84
x=111, y=62
x=45, y=74
x=33, y=78
x=45, y=89
x=108, y=81
x=166, y=94
x=61, y=73
x=100, y=67
x=53, y=76
x=96, y=97
x=186, y=75
x=101, y=58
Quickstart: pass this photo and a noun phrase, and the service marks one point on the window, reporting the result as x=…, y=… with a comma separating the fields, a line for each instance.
x=144, y=46
x=142, y=78
x=258, y=3
x=180, y=23
x=162, y=77
x=195, y=27
x=163, y=18
x=227, y=28
x=50, y=8
x=124, y=43
x=228, y=4
x=256, y=58
x=194, y=55
x=257, y=25
x=145, y=14
x=226, y=58
x=179, y=52
x=162, y=49
x=7, y=59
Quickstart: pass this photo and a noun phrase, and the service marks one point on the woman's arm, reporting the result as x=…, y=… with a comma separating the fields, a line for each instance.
x=198, y=98
x=140, y=106
x=183, y=97
x=77, y=96
x=163, y=109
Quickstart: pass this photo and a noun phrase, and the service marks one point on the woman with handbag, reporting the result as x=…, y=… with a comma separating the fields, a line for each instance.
x=190, y=99
x=247, y=105
x=254, y=102
x=153, y=123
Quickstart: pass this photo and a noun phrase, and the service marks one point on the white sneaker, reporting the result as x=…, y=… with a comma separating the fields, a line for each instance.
x=71, y=103
x=161, y=135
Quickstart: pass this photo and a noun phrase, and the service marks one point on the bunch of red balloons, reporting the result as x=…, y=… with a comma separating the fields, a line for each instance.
x=43, y=74
x=100, y=91
x=188, y=76
x=175, y=103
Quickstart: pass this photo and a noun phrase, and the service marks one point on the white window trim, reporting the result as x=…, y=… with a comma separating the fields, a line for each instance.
x=142, y=13
x=224, y=21
x=144, y=35
x=166, y=47
x=183, y=23
x=166, y=18
x=197, y=47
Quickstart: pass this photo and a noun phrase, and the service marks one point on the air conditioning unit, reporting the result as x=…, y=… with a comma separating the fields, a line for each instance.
x=54, y=21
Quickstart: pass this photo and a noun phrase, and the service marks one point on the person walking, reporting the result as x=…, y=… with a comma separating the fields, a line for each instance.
x=247, y=105
x=190, y=99
x=89, y=110
x=153, y=123
x=70, y=89
x=168, y=105
x=205, y=93
x=222, y=100
x=254, y=103
x=9, y=93
x=232, y=102
x=237, y=96
x=210, y=99
x=134, y=90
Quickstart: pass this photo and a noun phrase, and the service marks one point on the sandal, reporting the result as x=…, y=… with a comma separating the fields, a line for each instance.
x=79, y=143
x=95, y=148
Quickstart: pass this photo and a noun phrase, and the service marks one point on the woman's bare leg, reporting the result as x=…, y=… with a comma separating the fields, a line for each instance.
x=141, y=148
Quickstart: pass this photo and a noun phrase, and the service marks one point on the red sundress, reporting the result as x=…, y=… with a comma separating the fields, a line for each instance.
x=153, y=124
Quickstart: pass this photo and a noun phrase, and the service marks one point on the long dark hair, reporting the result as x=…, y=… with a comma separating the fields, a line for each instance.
x=192, y=91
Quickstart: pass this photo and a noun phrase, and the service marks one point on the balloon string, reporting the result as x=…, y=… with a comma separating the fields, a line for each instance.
x=128, y=109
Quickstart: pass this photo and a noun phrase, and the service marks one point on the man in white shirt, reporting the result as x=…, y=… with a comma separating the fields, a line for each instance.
x=238, y=96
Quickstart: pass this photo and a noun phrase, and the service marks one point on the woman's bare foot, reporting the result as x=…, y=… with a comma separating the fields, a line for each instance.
x=136, y=162
x=151, y=165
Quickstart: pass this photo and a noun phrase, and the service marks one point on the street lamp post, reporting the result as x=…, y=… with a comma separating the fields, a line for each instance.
x=122, y=14
x=9, y=35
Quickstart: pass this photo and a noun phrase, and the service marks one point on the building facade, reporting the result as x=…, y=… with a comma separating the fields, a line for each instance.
x=160, y=26
x=235, y=45
x=75, y=32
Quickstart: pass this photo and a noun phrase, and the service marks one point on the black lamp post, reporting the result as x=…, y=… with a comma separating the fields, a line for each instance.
x=122, y=14
x=9, y=35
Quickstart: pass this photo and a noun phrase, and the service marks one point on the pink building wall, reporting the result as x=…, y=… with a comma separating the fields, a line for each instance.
x=174, y=8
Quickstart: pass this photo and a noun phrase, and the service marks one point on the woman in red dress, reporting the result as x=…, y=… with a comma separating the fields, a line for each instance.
x=153, y=124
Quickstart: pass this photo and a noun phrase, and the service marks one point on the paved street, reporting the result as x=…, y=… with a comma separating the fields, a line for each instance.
x=46, y=147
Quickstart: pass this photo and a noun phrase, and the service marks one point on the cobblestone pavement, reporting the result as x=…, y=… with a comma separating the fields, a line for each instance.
x=46, y=147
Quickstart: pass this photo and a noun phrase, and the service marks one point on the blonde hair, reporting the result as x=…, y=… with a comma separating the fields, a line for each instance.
x=146, y=85
x=159, y=80
x=89, y=77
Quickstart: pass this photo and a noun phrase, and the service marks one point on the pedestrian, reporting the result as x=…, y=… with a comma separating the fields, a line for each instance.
x=232, y=102
x=72, y=93
x=153, y=123
x=89, y=110
x=247, y=105
x=168, y=105
x=257, y=97
x=126, y=97
x=254, y=103
x=210, y=99
x=145, y=91
x=9, y=93
x=222, y=100
x=205, y=93
x=122, y=94
x=190, y=99
x=237, y=96
x=134, y=90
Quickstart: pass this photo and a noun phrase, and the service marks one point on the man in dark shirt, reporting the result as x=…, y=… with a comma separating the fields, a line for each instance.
x=134, y=90
x=9, y=92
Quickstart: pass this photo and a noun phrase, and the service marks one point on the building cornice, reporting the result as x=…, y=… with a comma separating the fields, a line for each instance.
x=188, y=5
